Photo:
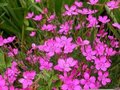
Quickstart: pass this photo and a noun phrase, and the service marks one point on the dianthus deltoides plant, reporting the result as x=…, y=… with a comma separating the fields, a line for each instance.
x=73, y=53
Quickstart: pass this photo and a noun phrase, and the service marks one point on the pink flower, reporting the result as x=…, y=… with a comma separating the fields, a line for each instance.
x=116, y=25
x=110, y=51
x=102, y=63
x=82, y=42
x=71, y=85
x=48, y=27
x=9, y=39
x=52, y=17
x=29, y=15
x=32, y=34
x=13, y=52
x=103, y=19
x=45, y=64
x=113, y=4
x=88, y=52
x=93, y=2
x=77, y=27
x=78, y=4
x=37, y=1
x=11, y=73
x=1, y=41
x=69, y=48
x=103, y=77
x=28, y=77
x=88, y=82
x=70, y=11
x=38, y=17
x=92, y=22
x=66, y=27
x=86, y=11
x=65, y=65
x=2, y=84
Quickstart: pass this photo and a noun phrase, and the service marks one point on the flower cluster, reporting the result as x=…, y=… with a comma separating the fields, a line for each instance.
x=75, y=56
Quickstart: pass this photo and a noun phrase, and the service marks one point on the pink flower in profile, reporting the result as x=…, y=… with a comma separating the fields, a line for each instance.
x=37, y=1
x=116, y=25
x=9, y=39
x=82, y=42
x=70, y=11
x=28, y=76
x=103, y=19
x=2, y=83
x=1, y=41
x=48, y=27
x=78, y=4
x=102, y=63
x=93, y=2
x=38, y=17
x=29, y=15
x=52, y=17
x=71, y=85
x=65, y=65
x=103, y=77
x=33, y=33
x=77, y=27
x=86, y=11
x=112, y=4
x=88, y=81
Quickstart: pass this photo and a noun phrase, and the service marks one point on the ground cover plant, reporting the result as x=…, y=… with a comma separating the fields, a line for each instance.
x=59, y=44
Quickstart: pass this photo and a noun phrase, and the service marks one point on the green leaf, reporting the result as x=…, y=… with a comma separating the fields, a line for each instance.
x=2, y=61
x=30, y=28
x=3, y=4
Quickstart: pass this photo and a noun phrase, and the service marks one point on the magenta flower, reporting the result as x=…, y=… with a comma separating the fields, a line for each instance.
x=112, y=4
x=11, y=73
x=103, y=19
x=2, y=84
x=45, y=64
x=28, y=76
x=103, y=77
x=52, y=17
x=33, y=33
x=13, y=52
x=37, y=1
x=48, y=27
x=71, y=85
x=38, y=17
x=93, y=2
x=116, y=25
x=102, y=63
x=29, y=15
x=66, y=27
x=81, y=42
x=9, y=39
x=1, y=41
x=78, y=4
x=65, y=65
x=69, y=48
x=88, y=53
x=88, y=81
x=70, y=11
x=92, y=22
x=86, y=11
